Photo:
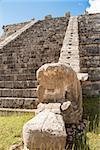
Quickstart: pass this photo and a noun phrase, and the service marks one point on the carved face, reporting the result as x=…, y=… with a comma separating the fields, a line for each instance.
x=55, y=80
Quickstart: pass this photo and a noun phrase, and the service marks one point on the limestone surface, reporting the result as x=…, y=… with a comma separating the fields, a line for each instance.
x=45, y=131
x=70, y=50
x=59, y=83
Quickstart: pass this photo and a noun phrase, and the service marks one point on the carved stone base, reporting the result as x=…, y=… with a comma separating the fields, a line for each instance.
x=45, y=131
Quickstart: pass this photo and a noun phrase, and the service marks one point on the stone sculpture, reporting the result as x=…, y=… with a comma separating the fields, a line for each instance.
x=60, y=98
x=59, y=83
x=46, y=131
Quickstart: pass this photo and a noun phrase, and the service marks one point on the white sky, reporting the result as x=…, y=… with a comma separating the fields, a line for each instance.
x=94, y=6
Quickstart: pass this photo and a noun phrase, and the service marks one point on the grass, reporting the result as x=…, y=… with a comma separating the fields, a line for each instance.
x=88, y=140
x=11, y=130
x=92, y=110
x=93, y=141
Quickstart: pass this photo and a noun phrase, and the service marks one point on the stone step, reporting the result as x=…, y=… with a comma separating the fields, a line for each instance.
x=91, y=89
x=94, y=73
x=18, y=84
x=17, y=77
x=13, y=111
x=20, y=103
x=26, y=93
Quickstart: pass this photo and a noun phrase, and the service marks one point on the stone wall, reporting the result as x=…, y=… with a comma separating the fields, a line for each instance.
x=89, y=44
x=36, y=46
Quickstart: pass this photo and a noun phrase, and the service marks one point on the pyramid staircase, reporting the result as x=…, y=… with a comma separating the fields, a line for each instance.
x=21, y=93
x=17, y=92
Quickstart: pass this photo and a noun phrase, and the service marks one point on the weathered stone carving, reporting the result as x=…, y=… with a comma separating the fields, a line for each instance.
x=46, y=130
x=59, y=83
x=59, y=92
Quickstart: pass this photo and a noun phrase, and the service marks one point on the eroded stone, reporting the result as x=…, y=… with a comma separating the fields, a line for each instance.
x=46, y=130
x=59, y=83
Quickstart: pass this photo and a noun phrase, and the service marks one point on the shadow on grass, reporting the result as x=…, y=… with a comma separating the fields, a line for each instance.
x=91, y=112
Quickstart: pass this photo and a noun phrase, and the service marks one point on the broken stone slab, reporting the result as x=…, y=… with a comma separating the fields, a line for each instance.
x=66, y=109
x=53, y=107
x=82, y=76
x=45, y=131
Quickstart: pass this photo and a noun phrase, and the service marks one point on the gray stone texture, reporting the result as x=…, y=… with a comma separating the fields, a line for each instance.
x=45, y=131
x=89, y=47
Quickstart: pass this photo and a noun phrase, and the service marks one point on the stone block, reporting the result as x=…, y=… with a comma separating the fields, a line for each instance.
x=17, y=93
x=82, y=76
x=46, y=130
x=54, y=107
x=14, y=102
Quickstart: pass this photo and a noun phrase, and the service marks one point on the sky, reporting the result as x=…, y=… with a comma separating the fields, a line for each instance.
x=16, y=11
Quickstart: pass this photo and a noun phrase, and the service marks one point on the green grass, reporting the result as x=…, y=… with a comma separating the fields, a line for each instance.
x=93, y=141
x=11, y=130
x=92, y=110
x=91, y=107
